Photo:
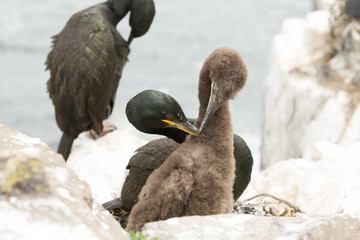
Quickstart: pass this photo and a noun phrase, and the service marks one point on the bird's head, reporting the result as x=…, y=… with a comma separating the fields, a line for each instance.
x=141, y=17
x=227, y=73
x=142, y=13
x=155, y=112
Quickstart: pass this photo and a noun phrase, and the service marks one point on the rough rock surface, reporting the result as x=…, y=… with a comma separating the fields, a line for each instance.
x=300, y=108
x=325, y=183
x=248, y=227
x=40, y=198
x=343, y=61
x=102, y=162
x=322, y=4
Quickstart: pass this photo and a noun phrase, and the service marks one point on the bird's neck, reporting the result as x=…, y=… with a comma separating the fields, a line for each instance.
x=219, y=124
x=106, y=10
x=219, y=127
x=218, y=135
x=173, y=133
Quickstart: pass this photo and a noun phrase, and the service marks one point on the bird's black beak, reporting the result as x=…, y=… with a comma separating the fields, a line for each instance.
x=131, y=37
x=185, y=126
x=214, y=103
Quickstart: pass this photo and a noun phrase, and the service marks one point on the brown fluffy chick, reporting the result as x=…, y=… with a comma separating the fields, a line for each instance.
x=197, y=178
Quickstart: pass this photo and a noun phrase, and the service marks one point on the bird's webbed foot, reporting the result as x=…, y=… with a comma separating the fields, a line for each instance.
x=107, y=128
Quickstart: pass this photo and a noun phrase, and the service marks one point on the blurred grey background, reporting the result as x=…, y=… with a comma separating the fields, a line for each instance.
x=168, y=58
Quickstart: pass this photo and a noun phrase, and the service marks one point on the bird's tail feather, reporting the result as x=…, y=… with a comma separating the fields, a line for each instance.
x=113, y=204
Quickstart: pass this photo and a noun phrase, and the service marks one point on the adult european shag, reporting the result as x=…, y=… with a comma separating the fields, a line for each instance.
x=86, y=63
x=148, y=111
x=197, y=178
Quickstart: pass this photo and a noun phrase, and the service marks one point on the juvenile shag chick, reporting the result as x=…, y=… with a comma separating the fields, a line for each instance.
x=197, y=178
x=86, y=63
x=147, y=112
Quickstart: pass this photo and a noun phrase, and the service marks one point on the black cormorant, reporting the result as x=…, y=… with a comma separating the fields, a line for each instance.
x=86, y=63
x=198, y=176
x=147, y=112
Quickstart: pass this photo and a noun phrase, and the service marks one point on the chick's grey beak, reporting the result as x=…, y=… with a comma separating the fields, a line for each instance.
x=213, y=105
x=189, y=128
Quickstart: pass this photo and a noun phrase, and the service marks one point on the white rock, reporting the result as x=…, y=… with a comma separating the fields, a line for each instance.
x=43, y=198
x=323, y=4
x=102, y=162
x=353, y=128
x=299, y=108
x=326, y=183
x=248, y=227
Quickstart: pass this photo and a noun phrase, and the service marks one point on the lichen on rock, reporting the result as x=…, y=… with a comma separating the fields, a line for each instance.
x=21, y=173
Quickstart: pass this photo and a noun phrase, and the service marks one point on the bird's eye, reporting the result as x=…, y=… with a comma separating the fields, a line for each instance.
x=180, y=117
x=169, y=116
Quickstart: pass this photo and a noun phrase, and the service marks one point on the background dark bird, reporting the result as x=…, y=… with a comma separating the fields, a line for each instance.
x=146, y=112
x=86, y=64
x=197, y=178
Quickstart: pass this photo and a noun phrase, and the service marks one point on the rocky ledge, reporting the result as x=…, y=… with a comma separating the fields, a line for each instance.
x=41, y=198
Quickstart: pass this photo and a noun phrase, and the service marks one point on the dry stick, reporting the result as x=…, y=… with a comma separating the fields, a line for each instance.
x=297, y=209
x=112, y=213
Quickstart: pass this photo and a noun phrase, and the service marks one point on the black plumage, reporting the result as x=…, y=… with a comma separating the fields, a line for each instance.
x=147, y=158
x=86, y=63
